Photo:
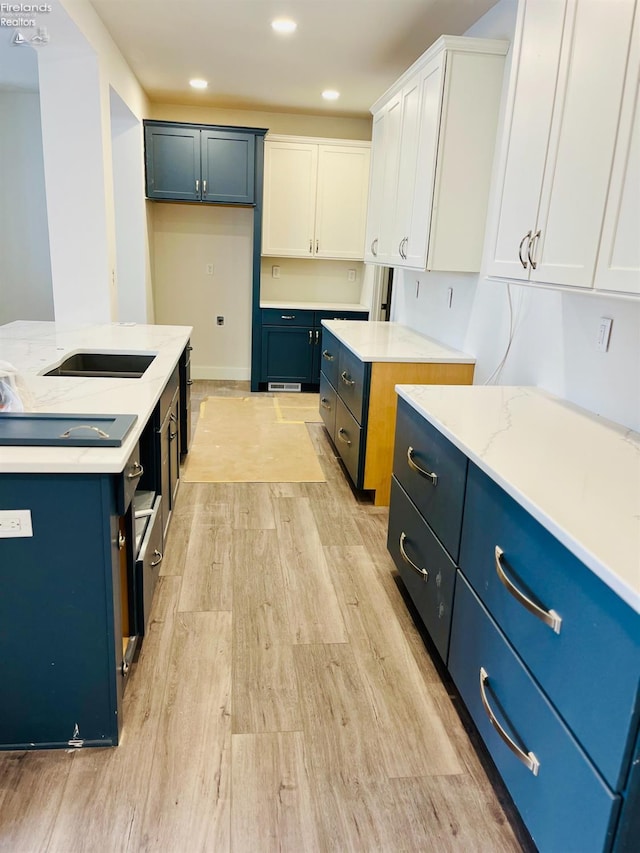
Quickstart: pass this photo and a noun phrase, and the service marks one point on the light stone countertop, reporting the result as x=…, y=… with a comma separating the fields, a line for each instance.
x=380, y=341
x=313, y=306
x=34, y=347
x=574, y=472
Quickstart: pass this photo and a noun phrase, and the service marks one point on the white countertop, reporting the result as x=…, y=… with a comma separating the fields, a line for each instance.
x=380, y=341
x=33, y=347
x=314, y=306
x=576, y=473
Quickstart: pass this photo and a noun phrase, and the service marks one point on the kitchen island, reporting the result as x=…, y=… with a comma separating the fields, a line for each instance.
x=77, y=581
x=515, y=525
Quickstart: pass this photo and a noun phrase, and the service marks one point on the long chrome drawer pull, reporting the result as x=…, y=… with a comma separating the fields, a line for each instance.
x=324, y=402
x=549, y=617
x=346, y=379
x=430, y=475
x=422, y=572
x=527, y=758
x=327, y=355
x=157, y=554
x=287, y=316
x=138, y=471
x=101, y=432
x=341, y=435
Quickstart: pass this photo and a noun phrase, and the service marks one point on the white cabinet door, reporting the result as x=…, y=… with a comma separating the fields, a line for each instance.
x=619, y=259
x=341, y=202
x=581, y=146
x=430, y=91
x=376, y=182
x=407, y=165
x=387, y=248
x=290, y=178
x=527, y=127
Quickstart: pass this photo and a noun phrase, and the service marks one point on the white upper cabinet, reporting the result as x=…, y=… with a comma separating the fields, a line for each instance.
x=433, y=142
x=315, y=198
x=561, y=122
x=618, y=266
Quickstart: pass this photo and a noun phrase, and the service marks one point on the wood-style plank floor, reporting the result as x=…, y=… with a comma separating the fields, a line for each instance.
x=284, y=699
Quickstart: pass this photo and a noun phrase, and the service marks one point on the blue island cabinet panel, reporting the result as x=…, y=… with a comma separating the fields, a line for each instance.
x=566, y=806
x=590, y=668
x=60, y=625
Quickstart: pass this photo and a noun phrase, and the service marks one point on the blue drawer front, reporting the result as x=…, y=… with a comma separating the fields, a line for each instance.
x=433, y=597
x=591, y=669
x=441, y=504
x=329, y=355
x=567, y=807
x=328, y=405
x=287, y=317
x=352, y=376
x=349, y=443
x=340, y=315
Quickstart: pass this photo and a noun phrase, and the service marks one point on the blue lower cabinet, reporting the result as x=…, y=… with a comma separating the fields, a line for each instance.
x=564, y=802
x=628, y=832
x=426, y=569
x=432, y=472
x=328, y=403
x=588, y=660
x=287, y=354
x=349, y=443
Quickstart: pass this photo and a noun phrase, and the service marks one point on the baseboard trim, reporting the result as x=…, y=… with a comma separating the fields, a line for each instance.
x=210, y=372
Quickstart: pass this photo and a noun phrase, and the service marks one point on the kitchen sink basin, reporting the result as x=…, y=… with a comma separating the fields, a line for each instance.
x=120, y=365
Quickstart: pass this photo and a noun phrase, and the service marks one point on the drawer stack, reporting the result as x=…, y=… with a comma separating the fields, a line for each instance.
x=344, y=400
x=545, y=655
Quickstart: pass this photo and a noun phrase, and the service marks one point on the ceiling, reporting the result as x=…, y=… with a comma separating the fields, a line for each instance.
x=358, y=47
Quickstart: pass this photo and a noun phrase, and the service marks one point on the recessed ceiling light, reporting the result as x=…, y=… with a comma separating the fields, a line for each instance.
x=330, y=95
x=198, y=84
x=284, y=25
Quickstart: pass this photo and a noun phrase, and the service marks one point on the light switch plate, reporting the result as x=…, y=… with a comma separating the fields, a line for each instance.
x=15, y=523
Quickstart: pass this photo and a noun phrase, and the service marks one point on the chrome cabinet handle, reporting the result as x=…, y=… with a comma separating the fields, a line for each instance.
x=424, y=574
x=527, y=236
x=204, y=188
x=324, y=402
x=287, y=316
x=400, y=248
x=527, y=758
x=310, y=247
x=549, y=617
x=189, y=381
x=189, y=348
x=310, y=336
x=157, y=562
x=317, y=335
x=67, y=433
x=430, y=475
x=374, y=247
x=172, y=435
x=533, y=242
x=138, y=471
x=317, y=246
x=341, y=435
x=327, y=355
x=197, y=185
x=346, y=379
x=404, y=247
x=122, y=540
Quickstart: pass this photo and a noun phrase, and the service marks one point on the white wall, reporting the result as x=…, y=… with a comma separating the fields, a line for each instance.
x=310, y=280
x=186, y=238
x=555, y=331
x=25, y=268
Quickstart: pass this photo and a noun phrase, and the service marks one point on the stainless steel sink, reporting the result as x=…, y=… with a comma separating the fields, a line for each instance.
x=119, y=365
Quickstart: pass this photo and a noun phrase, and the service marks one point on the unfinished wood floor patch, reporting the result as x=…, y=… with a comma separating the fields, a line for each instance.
x=252, y=440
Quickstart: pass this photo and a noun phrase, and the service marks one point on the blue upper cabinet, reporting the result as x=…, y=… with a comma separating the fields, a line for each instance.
x=186, y=162
x=228, y=166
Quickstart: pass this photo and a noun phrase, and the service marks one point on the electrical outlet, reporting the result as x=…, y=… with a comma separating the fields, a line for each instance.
x=15, y=523
x=209, y=269
x=275, y=271
x=351, y=275
x=604, y=334
x=220, y=320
